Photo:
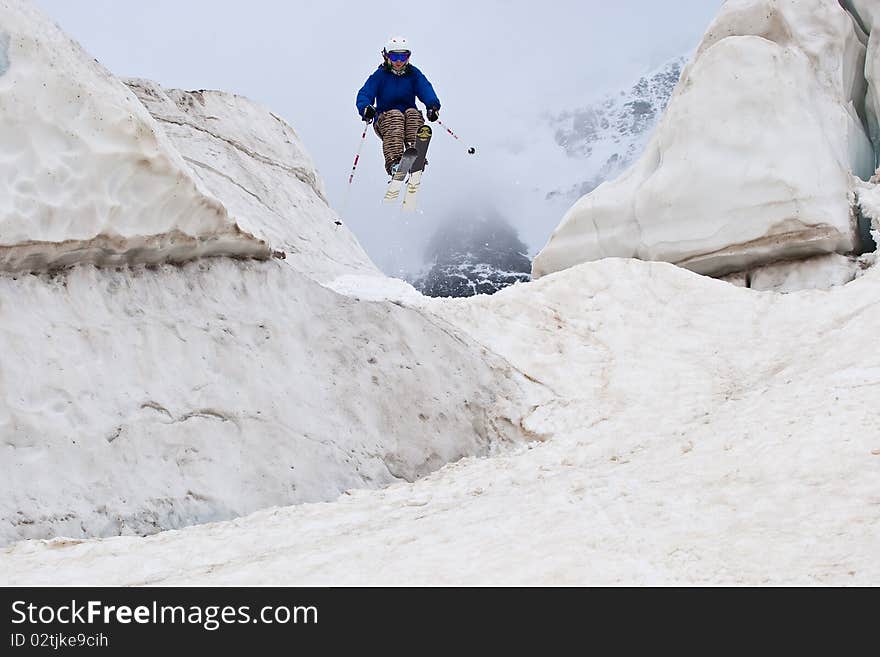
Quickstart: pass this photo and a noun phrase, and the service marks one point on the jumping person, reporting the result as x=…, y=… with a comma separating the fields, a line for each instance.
x=389, y=95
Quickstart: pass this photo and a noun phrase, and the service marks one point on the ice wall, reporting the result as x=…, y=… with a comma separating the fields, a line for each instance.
x=756, y=159
x=256, y=164
x=88, y=175
x=146, y=399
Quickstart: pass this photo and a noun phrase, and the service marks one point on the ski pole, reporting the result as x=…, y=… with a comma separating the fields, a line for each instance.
x=354, y=167
x=471, y=150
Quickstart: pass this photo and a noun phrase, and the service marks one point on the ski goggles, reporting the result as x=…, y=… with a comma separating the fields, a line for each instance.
x=398, y=56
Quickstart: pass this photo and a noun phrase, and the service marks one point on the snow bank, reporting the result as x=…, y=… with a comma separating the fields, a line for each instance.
x=258, y=167
x=753, y=160
x=88, y=174
x=139, y=398
x=699, y=434
x=146, y=399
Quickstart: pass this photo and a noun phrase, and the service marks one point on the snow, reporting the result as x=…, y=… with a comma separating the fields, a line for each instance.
x=89, y=175
x=160, y=396
x=377, y=288
x=257, y=166
x=869, y=203
x=867, y=15
x=698, y=433
x=755, y=159
x=614, y=422
x=816, y=273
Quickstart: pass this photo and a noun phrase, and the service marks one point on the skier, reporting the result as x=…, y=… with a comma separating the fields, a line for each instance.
x=389, y=95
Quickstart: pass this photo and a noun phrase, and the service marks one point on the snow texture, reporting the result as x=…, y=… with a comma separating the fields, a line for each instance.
x=755, y=159
x=89, y=175
x=255, y=163
x=866, y=14
x=819, y=272
x=698, y=433
x=146, y=399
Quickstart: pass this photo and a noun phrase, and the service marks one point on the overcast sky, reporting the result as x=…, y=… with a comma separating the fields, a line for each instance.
x=496, y=65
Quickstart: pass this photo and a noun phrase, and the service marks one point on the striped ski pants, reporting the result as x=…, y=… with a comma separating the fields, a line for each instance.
x=397, y=130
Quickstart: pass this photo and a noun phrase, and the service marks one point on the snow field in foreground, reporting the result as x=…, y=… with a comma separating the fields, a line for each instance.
x=700, y=433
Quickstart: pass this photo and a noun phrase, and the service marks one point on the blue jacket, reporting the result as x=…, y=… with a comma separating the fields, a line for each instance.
x=390, y=91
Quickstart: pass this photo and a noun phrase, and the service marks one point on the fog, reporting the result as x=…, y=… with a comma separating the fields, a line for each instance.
x=498, y=68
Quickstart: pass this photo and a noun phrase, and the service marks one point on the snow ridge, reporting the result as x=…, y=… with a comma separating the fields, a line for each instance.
x=257, y=165
x=756, y=158
x=91, y=177
x=170, y=389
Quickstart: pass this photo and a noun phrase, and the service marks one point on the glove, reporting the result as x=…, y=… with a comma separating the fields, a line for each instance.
x=369, y=112
x=432, y=114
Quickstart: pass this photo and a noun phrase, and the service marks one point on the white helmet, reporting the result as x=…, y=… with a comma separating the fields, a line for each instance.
x=396, y=44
